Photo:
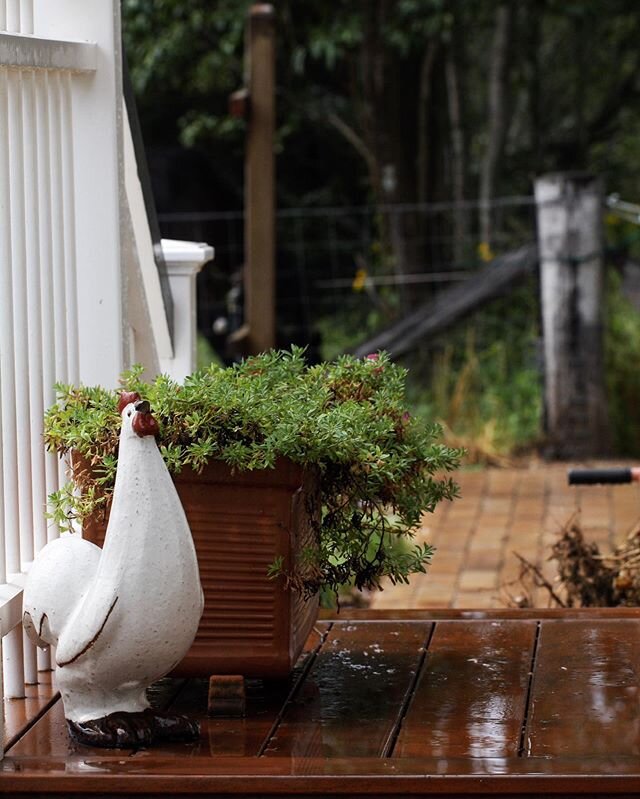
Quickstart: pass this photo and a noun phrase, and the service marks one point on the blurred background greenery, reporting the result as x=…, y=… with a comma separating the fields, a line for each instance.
x=436, y=107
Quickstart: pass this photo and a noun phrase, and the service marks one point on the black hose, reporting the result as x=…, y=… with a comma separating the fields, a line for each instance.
x=595, y=476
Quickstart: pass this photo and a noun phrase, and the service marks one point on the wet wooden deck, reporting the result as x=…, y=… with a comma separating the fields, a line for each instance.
x=427, y=702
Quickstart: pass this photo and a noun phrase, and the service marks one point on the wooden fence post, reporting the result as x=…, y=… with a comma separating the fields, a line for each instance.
x=569, y=213
x=260, y=311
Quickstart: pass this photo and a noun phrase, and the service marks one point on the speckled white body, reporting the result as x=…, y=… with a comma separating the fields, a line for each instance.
x=124, y=616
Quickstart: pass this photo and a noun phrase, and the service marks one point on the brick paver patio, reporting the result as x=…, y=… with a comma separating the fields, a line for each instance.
x=502, y=511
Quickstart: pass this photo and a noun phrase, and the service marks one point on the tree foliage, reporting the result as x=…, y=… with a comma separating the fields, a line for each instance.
x=362, y=86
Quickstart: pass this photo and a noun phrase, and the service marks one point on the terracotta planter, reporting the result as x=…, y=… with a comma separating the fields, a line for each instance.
x=241, y=522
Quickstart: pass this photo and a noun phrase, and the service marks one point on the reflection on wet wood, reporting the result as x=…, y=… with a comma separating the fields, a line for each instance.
x=369, y=711
x=240, y=737
x=19, y=714
x=349, y=704
x=470, y=700
x=586, y=690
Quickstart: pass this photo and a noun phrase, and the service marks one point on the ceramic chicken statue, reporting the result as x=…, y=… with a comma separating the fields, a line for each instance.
x=123, y=616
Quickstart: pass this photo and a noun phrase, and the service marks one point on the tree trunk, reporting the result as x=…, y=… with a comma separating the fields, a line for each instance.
x=458, y=165
x=389, y=132
x=579, y=88
x=497, y=115
x=532, y=22
x=424, y=96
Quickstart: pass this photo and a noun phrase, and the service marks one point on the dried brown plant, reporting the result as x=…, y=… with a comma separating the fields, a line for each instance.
x=585, y=577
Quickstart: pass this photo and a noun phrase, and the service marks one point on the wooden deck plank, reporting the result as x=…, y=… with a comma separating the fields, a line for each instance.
x=326, y=743
x=482, y=614
x=470, y=700
x=586, y=690
x=48, y=737
x=20, y=714
x=241, y=737
x=351, y=701
x=302, y=776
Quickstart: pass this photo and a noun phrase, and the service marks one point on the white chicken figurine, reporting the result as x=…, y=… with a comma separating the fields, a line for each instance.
x=123, y=616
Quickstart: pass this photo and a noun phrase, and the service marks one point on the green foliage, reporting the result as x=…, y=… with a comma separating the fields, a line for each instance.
x=622, y=368
x=570, y=103
x=380, y=469
x=205, y=354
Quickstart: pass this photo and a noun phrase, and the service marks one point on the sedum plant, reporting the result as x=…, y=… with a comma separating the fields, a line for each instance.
x=379, y=468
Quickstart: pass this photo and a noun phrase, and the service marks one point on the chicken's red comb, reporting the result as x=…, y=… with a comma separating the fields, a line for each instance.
x=127, y=397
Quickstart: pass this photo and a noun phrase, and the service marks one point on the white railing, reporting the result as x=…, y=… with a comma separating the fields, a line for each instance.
x=38, y=319
x=72, y=255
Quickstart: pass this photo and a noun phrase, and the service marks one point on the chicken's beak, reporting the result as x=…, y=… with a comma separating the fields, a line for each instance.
x=143, y=423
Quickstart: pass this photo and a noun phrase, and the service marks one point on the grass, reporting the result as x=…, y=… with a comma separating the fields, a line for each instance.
x=480, y=381
x=484, y=384
x=622, y=367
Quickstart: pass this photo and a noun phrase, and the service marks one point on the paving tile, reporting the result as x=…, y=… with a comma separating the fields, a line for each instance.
x=476, y=599
x=510, y=570
x=478, y=579
x=503, y=511
x=424, y=597
x=446, y=564
x=525, y=531
x=483, y=559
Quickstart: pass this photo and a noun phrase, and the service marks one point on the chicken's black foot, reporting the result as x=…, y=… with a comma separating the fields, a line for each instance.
x=132, y=730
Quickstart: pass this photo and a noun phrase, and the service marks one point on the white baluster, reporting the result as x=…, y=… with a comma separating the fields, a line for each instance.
x=30, y=659
x=7, y=364
x=1, y=693
x=13, y=665
x=46, y=270
x=44, y=660
x=57, y=229
x=34, y=265
x=57, y=241
x=69, y=215
x=21, y=403
x=13, y=16
x=26, y=16
x=3, y=15
x=3, y=560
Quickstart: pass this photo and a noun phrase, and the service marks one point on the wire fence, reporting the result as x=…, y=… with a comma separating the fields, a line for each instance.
x=347, y=271
x=345, y=274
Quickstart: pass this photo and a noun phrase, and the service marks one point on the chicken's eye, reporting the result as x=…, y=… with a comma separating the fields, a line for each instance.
x=129, y=414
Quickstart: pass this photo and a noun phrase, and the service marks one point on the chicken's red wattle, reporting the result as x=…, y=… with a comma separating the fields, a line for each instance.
x=144, y=424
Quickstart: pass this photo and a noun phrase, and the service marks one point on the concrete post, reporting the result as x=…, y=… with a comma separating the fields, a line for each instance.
x=569, y=213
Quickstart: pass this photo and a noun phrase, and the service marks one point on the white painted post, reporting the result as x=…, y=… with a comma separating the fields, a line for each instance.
x=569, y=211
x=184, y=259
x=95, y=113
